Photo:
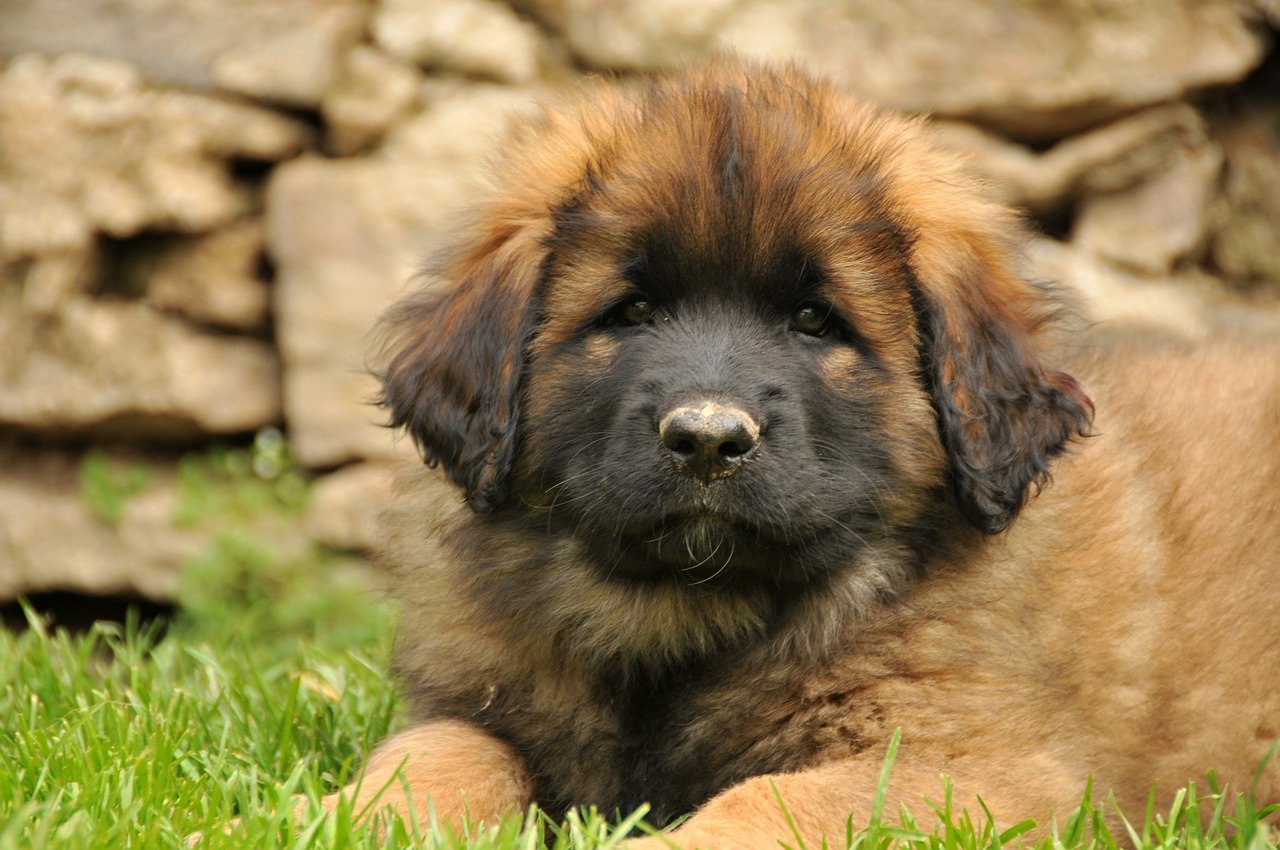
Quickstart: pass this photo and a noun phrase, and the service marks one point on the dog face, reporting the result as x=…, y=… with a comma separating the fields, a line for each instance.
x=710, y=395
x=732, y=324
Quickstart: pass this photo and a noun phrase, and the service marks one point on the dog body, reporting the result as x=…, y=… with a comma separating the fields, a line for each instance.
x=745, y=393
x=1122, y=628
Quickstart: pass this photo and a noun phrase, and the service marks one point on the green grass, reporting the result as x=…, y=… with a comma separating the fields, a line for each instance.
x=272, y=682
x=106, y=487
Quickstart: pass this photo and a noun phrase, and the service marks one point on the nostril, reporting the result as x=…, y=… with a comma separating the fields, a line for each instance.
x=733, y=450
x=682, y=447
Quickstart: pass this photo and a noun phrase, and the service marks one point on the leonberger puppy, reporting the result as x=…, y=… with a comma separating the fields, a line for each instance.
x=768, y=449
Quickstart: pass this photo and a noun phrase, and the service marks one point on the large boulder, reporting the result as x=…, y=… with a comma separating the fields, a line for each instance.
x=211, y=279
x=88, y=147
x=347, y=507
x=348, y=238
x=1156, y=224
x=121, y=369
x=1033, y=69
x=1109, y=159
x=130, y=523
x=374, y=92
x=1139, y=189
x=482, y=38
x=1187, y=306
x=1245, y=243
x=121, y=541
x=286, y=51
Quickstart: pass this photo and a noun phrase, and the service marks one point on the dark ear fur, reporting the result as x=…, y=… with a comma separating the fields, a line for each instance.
x=454, y=360
x=1001, y=414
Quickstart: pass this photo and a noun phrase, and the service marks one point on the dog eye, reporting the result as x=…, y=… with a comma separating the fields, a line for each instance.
x=636, y=311
x=811, y=319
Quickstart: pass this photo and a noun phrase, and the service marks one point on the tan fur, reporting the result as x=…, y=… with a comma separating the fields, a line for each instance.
x=447, y=769
x=1124, y=627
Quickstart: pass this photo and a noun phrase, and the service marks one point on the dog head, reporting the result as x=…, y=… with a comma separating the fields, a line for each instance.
x=732, y=319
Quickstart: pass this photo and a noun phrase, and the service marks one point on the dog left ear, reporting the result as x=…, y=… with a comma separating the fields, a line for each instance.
x=454, y=361
x=1002, y=414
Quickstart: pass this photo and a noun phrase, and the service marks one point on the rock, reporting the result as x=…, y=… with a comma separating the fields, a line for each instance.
x=122, y=370
x=1113, y=157
x=213, y=279
x=1158, y=223
x=87, y=147
x=346, y=508
x=482, y=38
x=124, y=522
x=1245, y=244
x=374, y=92
x=52, y=538
x=1140, y=186
x=284, y=51
x=348, y=237
x=1031, y=69
x=1267, y=11
x=1190, y=305
x=650, y=35
x=45, y=282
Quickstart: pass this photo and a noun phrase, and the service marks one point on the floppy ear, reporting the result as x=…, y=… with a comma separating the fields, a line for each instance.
x=1002, y=414
x=454, y=362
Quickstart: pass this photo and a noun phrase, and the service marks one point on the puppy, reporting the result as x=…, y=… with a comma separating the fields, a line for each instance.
x=755, y=416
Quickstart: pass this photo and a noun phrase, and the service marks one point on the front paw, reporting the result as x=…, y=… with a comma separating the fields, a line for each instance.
x=666, y=841
x=717, y=835
x=683, y=839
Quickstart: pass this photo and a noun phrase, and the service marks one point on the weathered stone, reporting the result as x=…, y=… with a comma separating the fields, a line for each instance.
x=1140, y=186
x=1190, y=305
x=481, y=38
x=347, y=237
x=1156, y=224
x=346, y=508
x=47, y=281
x=121, y=369
x=1267, y=11
x=213, y=279
x=1111, y=158
x=1032, y=69
x=286, y=51
x=117, y=522
x=1246, y=214
x=649, y=35
x=373, y=93
x=87, y=147
x=51, y=538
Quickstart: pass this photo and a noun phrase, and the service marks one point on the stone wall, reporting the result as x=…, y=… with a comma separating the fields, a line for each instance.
x=204, y=204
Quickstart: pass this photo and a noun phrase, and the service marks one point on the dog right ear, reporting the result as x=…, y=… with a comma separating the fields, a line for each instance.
x=1003, y=412
x=453, y=362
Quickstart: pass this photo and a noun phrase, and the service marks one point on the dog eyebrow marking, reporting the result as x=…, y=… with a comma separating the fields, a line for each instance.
x=892, y=230
x=635, y=268
x=882, y=225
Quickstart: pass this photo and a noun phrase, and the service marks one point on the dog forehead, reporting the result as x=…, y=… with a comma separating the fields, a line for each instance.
x=730, y=181
x=758, y=250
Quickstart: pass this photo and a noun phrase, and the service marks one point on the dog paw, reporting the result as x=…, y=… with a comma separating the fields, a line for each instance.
x=650, y=842
x=676, y=840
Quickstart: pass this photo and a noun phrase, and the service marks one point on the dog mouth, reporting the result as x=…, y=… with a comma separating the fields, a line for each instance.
x=699, y=533
x=702, y=546
x=709, y=537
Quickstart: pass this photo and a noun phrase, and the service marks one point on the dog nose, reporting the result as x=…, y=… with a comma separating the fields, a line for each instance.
x=709, y=441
